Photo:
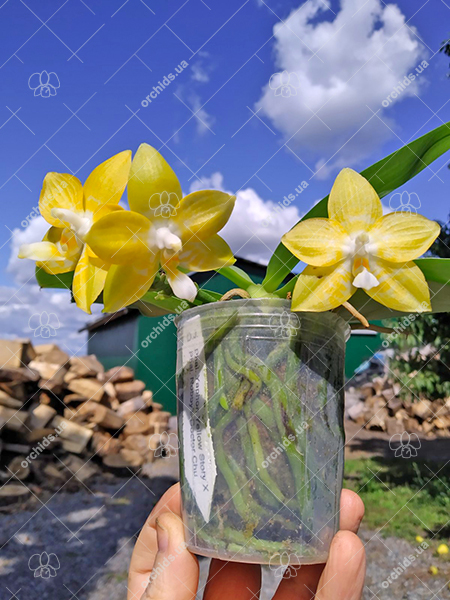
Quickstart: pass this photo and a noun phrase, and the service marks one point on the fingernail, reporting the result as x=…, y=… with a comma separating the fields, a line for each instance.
x=163, y=537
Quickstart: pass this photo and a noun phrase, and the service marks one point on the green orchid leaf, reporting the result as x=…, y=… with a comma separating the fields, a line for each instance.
x=61, y=281
x=386, y=175
x=435, y=269
x=165, y=303
x=237, y=276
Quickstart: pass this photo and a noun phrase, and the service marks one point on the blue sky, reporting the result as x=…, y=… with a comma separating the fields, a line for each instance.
x=342, y=62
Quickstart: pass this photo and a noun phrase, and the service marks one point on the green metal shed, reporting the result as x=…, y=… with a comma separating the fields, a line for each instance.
x=126, y=338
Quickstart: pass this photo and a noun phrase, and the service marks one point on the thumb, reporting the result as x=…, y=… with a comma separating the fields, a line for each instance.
x=175, y=572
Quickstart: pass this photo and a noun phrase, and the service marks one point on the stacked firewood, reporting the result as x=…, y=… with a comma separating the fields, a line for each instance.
x=383, y=405
x=52, y=404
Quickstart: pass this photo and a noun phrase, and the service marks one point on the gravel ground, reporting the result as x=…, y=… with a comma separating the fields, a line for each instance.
x=92, y=533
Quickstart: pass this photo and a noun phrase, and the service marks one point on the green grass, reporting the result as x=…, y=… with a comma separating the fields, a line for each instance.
x=403, y=498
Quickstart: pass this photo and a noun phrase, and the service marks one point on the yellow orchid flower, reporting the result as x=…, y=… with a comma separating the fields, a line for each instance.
x=71, y=209
x=358, y=247
x=162, y=229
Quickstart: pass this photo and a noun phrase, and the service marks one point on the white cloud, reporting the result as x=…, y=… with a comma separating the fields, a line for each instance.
x=204, y=121
x=256, y=225
x=362, y=53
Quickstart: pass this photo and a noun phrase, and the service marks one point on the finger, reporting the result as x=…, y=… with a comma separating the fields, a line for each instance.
x=146, y=546
x=344, y=573
x=301, y=583
x=232, y=580
x=175, y=571
x=352, y=511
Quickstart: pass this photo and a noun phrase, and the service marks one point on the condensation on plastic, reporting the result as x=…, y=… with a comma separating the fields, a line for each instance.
x=261, y=441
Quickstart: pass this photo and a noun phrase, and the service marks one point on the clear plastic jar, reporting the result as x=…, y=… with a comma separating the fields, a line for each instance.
x=260, y=405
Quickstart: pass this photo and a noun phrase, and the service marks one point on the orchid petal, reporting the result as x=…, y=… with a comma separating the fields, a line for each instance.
x=60, y=190
x=40, y=251
x=88, y=282
x=182, y=285
x=204, y=213
x=323, y=288
x=401, y=288
x=126, y=284
x=353, y=202
x=106, y=183
x=400, y=237
x=206, y=255
x=121, y=238
x=318, y=242
x=151, y=176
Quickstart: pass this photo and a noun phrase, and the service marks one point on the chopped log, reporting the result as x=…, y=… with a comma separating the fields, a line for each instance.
x=118, y=375
x=109, y=390
x=44, y=398
x=101, y=415
x=86, y=366
x=137, y=423
x=427, y=426
x=38, y=435
x=51, y=353
x=17, y=469
x=125, y=458
x=40, y=416
x=12, y=492
x=14, y=419
x=138, y=443
x=74, y=437
x=89, y=388
x=70, y=376
x=15, y=389
x=393, y=426
x=104, y=444
x=21, y=374
x=133, y=405
x=81, y=469
x=129, y=389
x=16, y=353
x=378, y=419
x=74, y=398
x=158, y=417
x=421, y=409
x=9, y=401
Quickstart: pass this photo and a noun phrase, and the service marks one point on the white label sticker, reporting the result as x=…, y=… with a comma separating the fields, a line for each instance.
x=199, y=462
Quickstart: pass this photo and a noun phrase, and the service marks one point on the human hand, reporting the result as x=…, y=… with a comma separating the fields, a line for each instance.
x=163, y=569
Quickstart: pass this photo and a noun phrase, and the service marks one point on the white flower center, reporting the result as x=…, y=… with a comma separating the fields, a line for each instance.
x=80, y=223
x=360, y=250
